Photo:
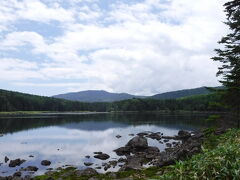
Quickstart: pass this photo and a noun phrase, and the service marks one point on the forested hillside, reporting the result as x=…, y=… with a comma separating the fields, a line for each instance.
x=181, y=93
x=104, y=96
x=95, y=96
x=14, y=101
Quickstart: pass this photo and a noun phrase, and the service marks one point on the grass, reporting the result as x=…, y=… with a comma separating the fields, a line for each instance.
x=11, y=113
x=220, y=160
x=22, y=112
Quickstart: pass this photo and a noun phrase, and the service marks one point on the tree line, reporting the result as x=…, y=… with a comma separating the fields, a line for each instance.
x=14, y=101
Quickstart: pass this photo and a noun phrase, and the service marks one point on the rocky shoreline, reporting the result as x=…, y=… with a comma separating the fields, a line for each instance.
x=135, y=155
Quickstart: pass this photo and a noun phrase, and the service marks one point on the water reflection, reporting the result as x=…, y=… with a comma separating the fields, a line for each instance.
x=68, y=139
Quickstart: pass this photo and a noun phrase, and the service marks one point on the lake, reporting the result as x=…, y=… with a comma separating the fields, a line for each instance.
x=65, y=139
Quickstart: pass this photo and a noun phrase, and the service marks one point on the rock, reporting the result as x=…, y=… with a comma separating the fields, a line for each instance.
x=142, y=134
x=87, y=157
x=86, y=172
x=6, y=159
x=170, y=137
x=46, y=163
x=102, y=156
x=165, y=140
x=183, y=134
x=122, y=160
x=16, y=162
x=123, y=151
x=154, y=136
x=131, y=134
x=106, y=167
x=98, y=167
x=118, y=136
x=138, y=142
x=88, y=163
x=169, y=145
x=31, y=168
x=152, y=150
x=31, y=156
x=113, y=163
x=197, y=135
x=15, y=178
x=133, y=163
x=17, y=174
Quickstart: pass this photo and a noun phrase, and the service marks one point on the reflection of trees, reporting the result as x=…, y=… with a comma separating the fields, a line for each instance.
x=101, y=121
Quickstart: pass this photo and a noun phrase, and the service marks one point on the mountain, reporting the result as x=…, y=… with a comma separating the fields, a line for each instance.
x=181, y=93
x=104, y=96
x=95, y=96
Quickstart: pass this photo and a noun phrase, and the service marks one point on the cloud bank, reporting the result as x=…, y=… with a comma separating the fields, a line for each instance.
x=140, y=46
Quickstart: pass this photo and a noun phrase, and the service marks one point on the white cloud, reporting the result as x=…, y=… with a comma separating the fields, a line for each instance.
x=16, y=69
x=143, y=47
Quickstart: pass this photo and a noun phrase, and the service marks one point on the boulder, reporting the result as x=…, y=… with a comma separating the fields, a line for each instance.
x=16, y=162
x=102, y=156
x=31, y=168
x=17, y=174
x=138, y=142
x=133, y=163
x=46, y=163
x=86, y=172
x=184, y=134
x=155, y=136
x=123, y=151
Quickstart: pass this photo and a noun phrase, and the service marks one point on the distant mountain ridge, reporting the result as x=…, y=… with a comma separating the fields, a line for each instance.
x=95, y=96
x=104, y=96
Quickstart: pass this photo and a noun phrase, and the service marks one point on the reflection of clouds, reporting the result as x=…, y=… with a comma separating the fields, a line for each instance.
x=74, y=144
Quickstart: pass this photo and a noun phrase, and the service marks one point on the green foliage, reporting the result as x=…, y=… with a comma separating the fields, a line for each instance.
x=229, y=57
x=221, y=161
x=213, y=118
x=14, y=101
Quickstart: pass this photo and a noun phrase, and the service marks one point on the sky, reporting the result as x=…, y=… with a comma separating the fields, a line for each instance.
x=142, y=47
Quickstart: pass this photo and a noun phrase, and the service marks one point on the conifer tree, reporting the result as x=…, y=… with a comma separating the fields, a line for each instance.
x=229, y=57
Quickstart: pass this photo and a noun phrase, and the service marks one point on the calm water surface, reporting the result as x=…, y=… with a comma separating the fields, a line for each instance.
x=67, y=139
